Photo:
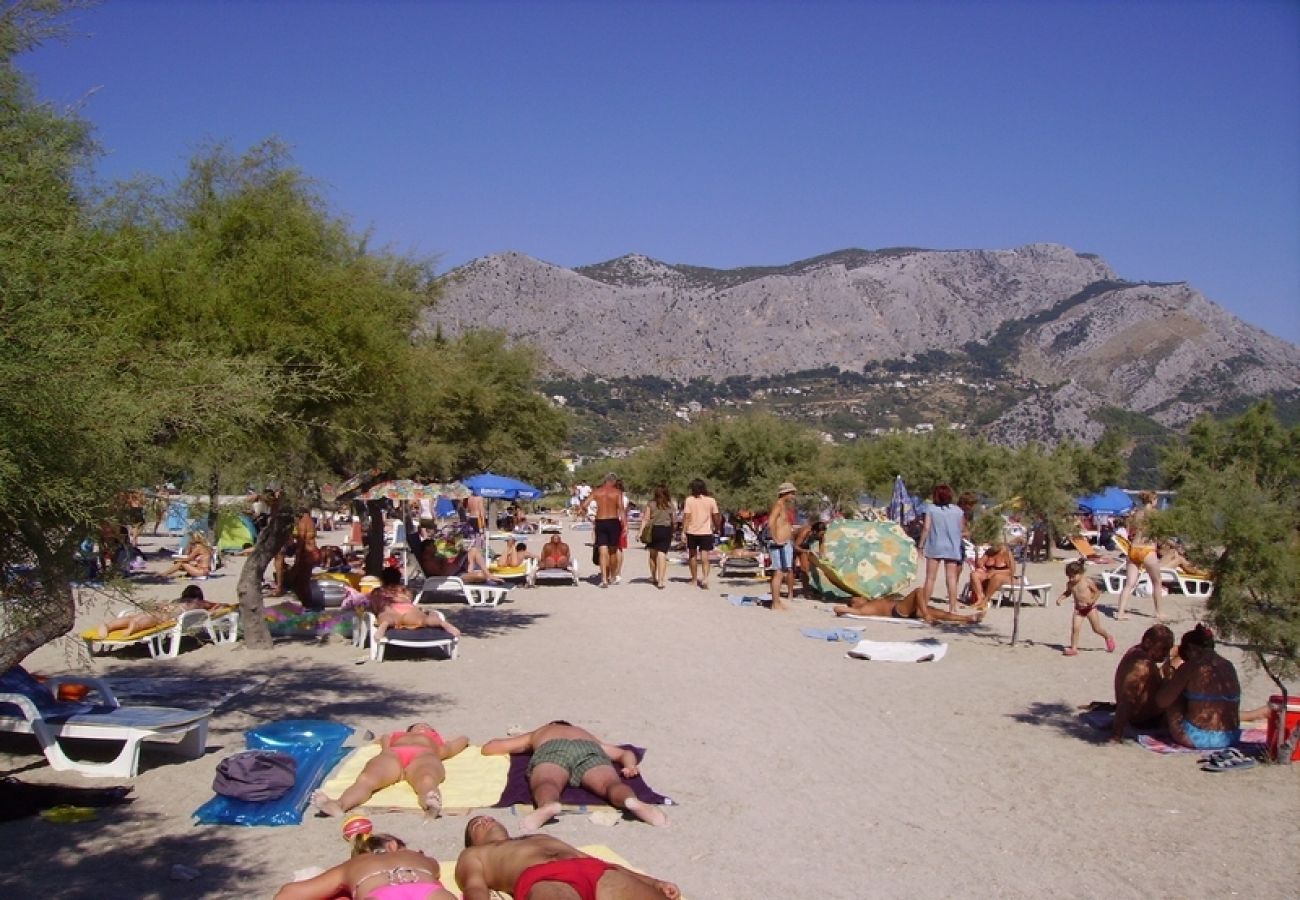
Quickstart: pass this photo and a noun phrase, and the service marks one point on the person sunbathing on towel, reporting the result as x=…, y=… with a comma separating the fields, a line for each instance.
x=161, y=614
x=198, y=559
x=515, y=556
x=415, y=756
x=382, y=867
x=555, y=554
x=565, y=754
x=1141, y=671
x=393, y=608
x=533, y=867
x=913, y=606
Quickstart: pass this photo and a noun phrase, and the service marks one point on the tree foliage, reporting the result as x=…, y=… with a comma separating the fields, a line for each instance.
x=1238, y=510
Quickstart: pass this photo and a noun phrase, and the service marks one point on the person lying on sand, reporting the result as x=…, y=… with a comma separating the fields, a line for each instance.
x=1141, y=671
x=534, y=866
x=565, y=754
x=913, y=606
x=191, y=598
x=381, y=868
x=415, y=756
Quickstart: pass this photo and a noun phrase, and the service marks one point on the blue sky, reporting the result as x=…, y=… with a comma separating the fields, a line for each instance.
x=1164, y=136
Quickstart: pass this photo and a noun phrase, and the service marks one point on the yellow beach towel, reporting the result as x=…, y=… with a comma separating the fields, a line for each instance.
x=473, y=781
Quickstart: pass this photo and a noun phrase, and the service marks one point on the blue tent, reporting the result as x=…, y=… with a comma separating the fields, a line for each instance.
x=499, y=487
x=1110, y=502
x=445, y=508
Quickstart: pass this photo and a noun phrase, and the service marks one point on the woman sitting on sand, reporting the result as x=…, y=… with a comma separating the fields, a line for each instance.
x=992, y=572
x=1202, y=697
x=393, y=608
x=381, y=868
x=191, y=598
x=913, y=606
x=198, y=559
x=414, y=756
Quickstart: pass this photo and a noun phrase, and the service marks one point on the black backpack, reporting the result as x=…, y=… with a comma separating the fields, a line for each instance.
x=255, y=775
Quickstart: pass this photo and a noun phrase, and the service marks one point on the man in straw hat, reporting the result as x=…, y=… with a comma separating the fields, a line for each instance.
x=780, y=542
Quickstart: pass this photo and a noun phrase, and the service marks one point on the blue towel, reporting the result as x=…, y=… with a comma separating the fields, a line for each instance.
x=832, y=634
x=748, y=600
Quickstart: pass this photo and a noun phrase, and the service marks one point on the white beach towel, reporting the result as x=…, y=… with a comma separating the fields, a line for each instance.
x=893, y=620
x=928, y=650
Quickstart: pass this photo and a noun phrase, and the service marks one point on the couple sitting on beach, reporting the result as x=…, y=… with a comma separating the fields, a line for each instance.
x=529, y=867
x=563, y=754
x=1193, y=691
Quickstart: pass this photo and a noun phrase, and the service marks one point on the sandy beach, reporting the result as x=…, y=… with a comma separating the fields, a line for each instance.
x=796, y=771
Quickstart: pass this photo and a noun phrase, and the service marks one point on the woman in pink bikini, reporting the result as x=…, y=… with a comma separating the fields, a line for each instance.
x=415, y=756
x=381, y=868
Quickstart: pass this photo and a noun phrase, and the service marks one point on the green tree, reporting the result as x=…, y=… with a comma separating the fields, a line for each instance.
x=1238, y=510
x=81, y=412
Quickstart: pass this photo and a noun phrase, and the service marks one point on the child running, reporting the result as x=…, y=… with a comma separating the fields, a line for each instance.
x=1085, y=593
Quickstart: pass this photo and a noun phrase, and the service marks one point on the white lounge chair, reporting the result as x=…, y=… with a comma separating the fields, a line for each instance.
x=28, y=706
x=1038, y=593
x=554, y=575
x=420, y=638
x=485, y=594
x=164, y=641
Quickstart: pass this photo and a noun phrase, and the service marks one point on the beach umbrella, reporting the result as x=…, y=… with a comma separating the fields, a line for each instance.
x=452, y=490
x=499, y=487
x=868, y=559
x=1110, y=502
x=399, y=490
x=899, y=503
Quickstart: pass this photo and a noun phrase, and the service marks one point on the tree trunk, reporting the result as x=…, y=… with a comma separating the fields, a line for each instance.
x=252, y=611
x=1286, y=744
x=214, y=495
x=38, y=620
x=375, y=544
x=1019, y=594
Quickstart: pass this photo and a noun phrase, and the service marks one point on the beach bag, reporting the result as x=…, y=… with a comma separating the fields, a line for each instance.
x=647, y=530
x=255, y=775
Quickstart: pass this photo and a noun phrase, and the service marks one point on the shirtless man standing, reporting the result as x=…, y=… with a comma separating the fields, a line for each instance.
x=565, y=754
x=304, y=559
x=476, y=513
x=611, y=520
x=1138, y=677
x=494, y=861
x=780, y=543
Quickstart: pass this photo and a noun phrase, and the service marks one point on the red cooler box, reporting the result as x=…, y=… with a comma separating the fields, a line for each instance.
x=1275, y=718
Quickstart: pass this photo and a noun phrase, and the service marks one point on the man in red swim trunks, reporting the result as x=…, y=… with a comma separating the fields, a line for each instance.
x=494, y=861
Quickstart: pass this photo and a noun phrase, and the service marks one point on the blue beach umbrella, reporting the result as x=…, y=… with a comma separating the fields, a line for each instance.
x=1110, y=502
x=500, y=487
x=900, y=503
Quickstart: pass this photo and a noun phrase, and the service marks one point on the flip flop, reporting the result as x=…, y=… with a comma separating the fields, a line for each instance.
x=1230, y=764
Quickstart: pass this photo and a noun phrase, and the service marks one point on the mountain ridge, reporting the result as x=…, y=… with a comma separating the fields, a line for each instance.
x=1042, y=312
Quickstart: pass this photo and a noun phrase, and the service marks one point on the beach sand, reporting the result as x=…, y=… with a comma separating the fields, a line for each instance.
x=797, y=772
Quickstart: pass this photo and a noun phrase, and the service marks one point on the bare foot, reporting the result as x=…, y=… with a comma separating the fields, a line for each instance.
x=539, y=817
x=432, y=802
x=651, y=815
x=322, y=801
x=101, y=632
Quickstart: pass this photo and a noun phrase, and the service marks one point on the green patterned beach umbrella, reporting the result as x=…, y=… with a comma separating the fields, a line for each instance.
x=868, y=559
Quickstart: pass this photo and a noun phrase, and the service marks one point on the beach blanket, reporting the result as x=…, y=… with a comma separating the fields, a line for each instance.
x=928, y=650
x=1157, y=739
x=833, y=634
x=749, y=599
x=516, y=792
x=1252, y=741
x=473, y=781
x=892, y=619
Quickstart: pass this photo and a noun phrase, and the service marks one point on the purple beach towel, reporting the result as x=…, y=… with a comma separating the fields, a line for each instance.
x=517, y=791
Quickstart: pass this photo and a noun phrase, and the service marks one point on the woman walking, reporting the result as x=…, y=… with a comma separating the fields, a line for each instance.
x=661, y=515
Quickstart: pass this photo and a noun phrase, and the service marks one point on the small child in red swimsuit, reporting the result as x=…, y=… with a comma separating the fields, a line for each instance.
x=1085, y=593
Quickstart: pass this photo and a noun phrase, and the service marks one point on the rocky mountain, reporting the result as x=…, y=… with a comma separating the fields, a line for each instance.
x=1060, y=320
